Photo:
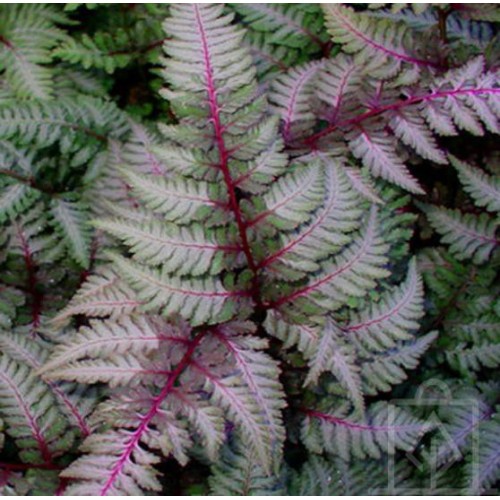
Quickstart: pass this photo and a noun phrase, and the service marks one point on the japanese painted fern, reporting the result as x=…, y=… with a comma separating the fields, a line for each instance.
x=228, y=234
x=239, y=271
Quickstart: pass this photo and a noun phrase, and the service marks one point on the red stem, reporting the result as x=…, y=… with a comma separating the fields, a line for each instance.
x=32, y=282
x=6, y=42
x=224, y=154
x=313, y=139
x=353, y=425
x=136, y=436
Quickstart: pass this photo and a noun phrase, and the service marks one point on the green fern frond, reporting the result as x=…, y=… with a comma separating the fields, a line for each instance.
x=295, y=26
x=95, y=52
x=333, y=476
x=28, y=33
x=77, y=124
x=70, y=220
x=239, y=473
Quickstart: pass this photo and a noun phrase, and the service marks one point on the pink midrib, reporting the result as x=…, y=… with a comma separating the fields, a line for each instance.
x=464, y=230
x=299, y=84
x=397, y=105
x=280, y=17
x=287, y=248
x=250, y=380
x=340, y=94
x=85, y=429
x=383, y=317
x=327, y=278
x=37, y=433
x=397, y=55
x=136, y=436
x=219, y=139
x=353, y=425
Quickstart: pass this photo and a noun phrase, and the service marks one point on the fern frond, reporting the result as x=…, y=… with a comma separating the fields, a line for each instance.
x=291, y=94
x=16, y=198
x=191, y=251
x=381, y=371
x=292, y=199
x=177, y=199
x=484, y=473
x=469, y=236
x=237, y=398
x=75, y=402
x=103, y=473
x=334, y=477
x=461, y=422
x=302, y=248
x=102, y=294
x=469, y=440
x=304, y=336
x=378, y=152
x=350, y=274
x=379, y=325
x=116, y=460
x=204, y=300
x=139, y=151
x=335, y=355
x=375, y=119
x=383, y=46
x=78, y=124
x=99, y=51
x=295, y=26
x=258, y=371
x=70, y=220
x=473, y=358
x=219, y=374
x=384, y=429
x=338, y=87
x=104, y=339
x=28, y=33
x=239, y=473
x=28, y=408
x=268, y=58
x=483, y=188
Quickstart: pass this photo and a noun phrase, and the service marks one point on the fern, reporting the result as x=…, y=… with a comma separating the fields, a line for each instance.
x=470, y=236
x=320, y=476
x=383, y=427
x=218, y=267
x=372, y=123
x=210, y=285
x=483, y=188
x=379, y=45
x=295, y=26
x=28, y=33
x=133, y=36
x=239, y=474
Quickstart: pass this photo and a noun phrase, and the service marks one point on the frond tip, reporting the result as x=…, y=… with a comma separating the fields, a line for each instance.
x=469, y=236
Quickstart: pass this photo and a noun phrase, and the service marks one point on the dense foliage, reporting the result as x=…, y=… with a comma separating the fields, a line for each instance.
x=249, y=249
